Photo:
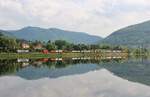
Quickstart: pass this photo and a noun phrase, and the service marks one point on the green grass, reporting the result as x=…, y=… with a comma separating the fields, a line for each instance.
x=37, y=55
x=56, y=55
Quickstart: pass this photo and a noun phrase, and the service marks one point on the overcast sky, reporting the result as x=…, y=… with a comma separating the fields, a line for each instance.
x=96, y=17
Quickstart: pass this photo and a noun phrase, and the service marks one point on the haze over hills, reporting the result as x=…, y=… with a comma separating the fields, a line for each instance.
x=5, y=33
x=41, y=34
x=138, y=34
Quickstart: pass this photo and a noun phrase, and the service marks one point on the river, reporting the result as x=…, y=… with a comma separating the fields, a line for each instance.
x=75, y=77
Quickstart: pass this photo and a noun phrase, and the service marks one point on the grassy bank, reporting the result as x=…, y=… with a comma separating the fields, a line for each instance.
x=57, y=55
x=37, y=55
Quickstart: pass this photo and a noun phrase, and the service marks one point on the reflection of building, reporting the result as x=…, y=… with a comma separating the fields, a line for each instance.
x=37, y=63
x=22, y=60
x=56, y=51
x=44, y=60
x=56, y=59
x=25, y=64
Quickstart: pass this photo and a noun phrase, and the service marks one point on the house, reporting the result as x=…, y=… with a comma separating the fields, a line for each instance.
x=53, y=51
x=76, y=51
x=25, y=45
x=22, y=51
x=38, y=46
x=45, y=51
x=56, y=51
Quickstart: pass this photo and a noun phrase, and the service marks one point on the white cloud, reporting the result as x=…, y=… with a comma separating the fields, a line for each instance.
x=98, y=17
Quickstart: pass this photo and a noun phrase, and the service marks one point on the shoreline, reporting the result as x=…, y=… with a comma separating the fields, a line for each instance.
x=59, y=55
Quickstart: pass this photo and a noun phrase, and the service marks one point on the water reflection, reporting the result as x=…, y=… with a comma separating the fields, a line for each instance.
x=137, y=70
x=26, y=66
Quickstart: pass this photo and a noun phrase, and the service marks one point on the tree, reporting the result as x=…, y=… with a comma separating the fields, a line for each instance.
x=76, y=47
x=68, y=47
x=83, y=47
x=50, y=46
x=1, y=34
x=8, y=44
x=94, y=46
x=105, y=46
x=117, y=48
x=60, y=44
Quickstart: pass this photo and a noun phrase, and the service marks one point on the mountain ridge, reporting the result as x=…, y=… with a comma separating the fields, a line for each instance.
x=43, y=34
x=137, y=34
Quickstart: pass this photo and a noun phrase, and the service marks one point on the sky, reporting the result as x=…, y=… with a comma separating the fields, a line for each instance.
x=95, y=17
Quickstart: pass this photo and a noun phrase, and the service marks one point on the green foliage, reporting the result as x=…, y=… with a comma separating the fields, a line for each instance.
x=1, y=34
x=50, y=46
x=131, y=36
x=105, y=46
x=11, y=45
x=60, y=44
x=8, y=44
x=94, y=46
x=69, y=47
x=137, y=51
x=140, y=51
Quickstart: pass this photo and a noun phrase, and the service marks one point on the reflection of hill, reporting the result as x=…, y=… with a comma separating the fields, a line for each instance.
x=35, y=69
x=137, y=70
x=55, y=69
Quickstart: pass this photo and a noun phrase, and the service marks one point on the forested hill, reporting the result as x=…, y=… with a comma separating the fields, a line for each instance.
x=138, y=34
x=41, y=34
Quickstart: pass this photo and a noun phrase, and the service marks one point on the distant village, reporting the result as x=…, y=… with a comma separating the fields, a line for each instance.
x=25, y=48
x=13, y=45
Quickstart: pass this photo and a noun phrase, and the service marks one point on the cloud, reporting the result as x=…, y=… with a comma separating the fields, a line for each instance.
x=98, y=17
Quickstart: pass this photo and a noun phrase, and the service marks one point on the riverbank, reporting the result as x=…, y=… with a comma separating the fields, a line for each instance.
x=37, y=55
x=57, y=55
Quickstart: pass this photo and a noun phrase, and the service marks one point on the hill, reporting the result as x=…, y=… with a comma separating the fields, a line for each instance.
x=138, y=34
x=41, y=34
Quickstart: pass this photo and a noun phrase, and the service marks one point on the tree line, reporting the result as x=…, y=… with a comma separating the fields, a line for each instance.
x=8, y=44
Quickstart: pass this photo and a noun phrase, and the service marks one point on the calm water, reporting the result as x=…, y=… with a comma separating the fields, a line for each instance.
x=132, y=69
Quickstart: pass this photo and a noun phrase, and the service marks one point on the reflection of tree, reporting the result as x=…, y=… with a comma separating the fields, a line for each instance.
x=12, y=66
x=69, y=62
x=8, y=67
x=137, y=70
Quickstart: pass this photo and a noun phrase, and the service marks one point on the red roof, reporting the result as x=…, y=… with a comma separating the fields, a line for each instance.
x=45, y=51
